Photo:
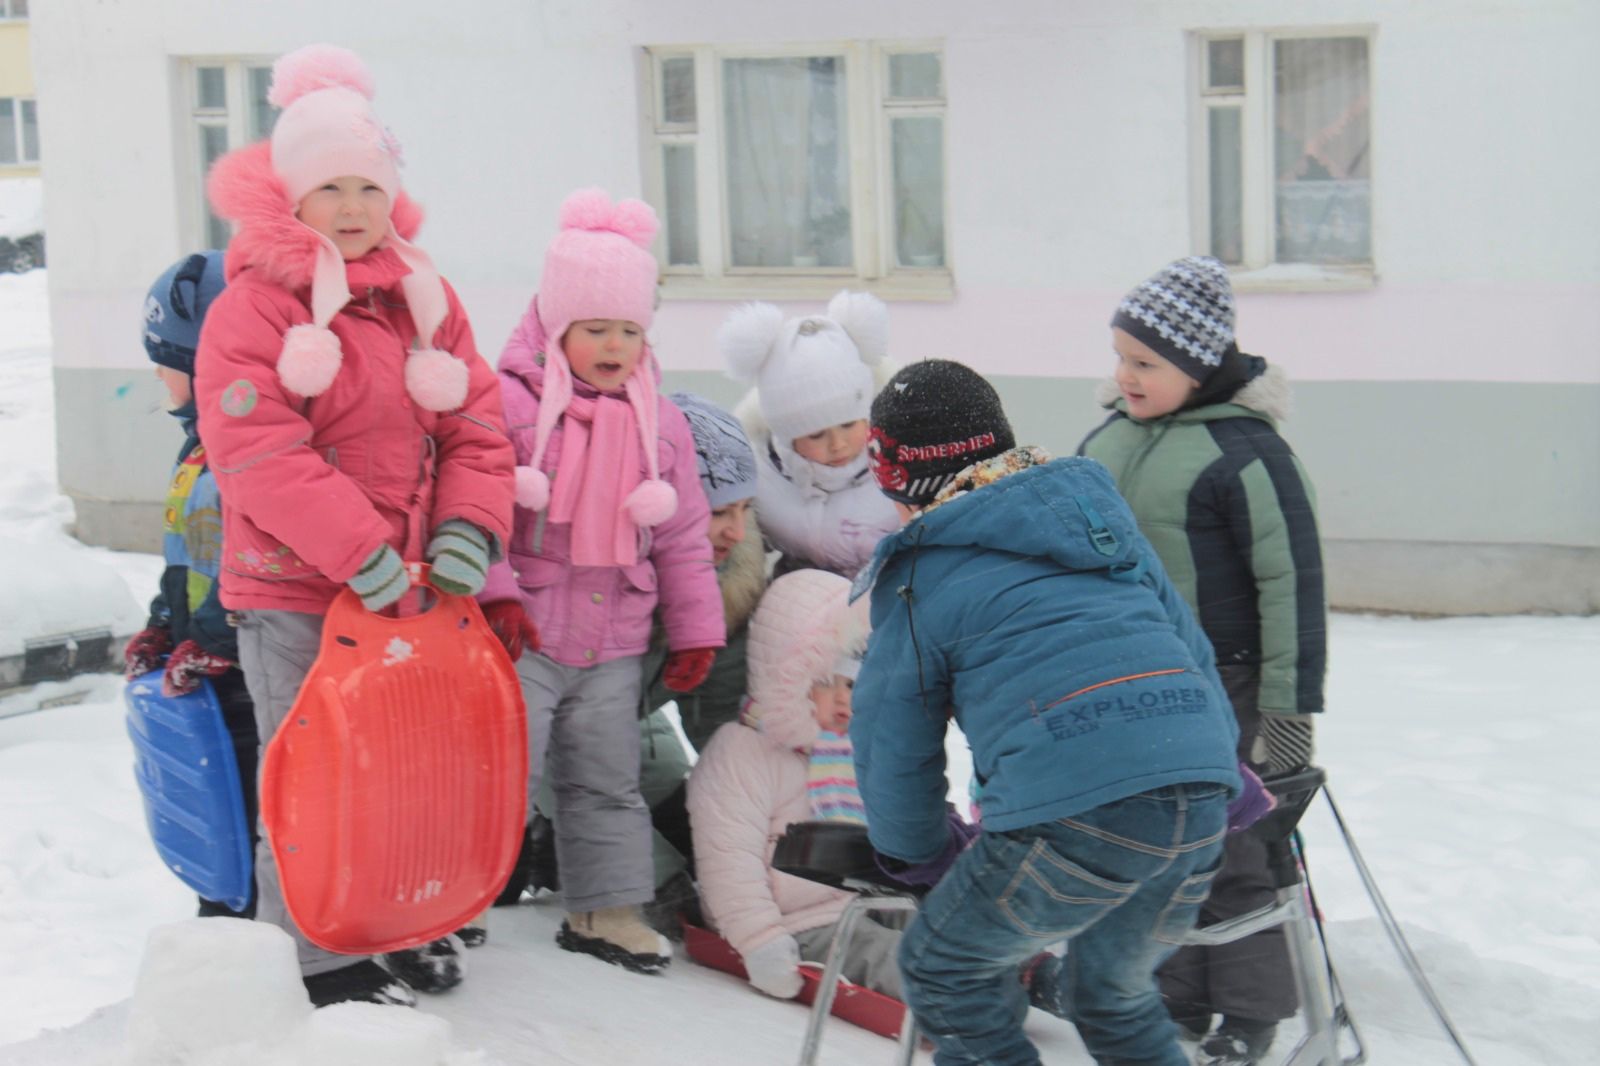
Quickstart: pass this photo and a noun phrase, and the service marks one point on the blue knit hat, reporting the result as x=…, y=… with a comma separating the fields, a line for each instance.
x=727, y=463
x=176, y=306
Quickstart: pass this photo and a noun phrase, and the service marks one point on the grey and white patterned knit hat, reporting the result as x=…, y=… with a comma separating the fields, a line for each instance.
x=1184, y=312
x=727, y=463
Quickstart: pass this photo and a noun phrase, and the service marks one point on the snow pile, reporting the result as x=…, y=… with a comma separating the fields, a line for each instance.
x=214, y=992
x=21, y=207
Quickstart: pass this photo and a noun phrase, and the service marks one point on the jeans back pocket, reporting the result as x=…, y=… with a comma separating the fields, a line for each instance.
x=1178, y=916
x=1052, y=898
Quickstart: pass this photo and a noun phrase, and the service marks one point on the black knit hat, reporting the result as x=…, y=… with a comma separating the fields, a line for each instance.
x=1184, y=313
x=931, y=421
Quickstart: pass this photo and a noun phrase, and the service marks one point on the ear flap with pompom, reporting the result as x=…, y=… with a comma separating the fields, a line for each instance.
x=309, y=360
x=747, y=338
x=866, y=319
x=437, y=380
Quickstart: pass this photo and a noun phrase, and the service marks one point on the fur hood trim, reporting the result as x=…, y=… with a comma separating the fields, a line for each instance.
x=802, y=627
x=744, y=577
x=1269, y=394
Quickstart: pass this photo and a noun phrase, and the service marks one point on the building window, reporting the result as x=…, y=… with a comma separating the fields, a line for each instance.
x=814, y=167
x=13, y=9
x=19, y=131
x=1283, y=147
x=226, y=104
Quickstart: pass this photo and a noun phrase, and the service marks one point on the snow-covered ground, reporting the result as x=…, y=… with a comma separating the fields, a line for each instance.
x=1459, y=751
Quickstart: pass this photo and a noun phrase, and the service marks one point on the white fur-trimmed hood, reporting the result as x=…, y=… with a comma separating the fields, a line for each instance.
x=804, y=625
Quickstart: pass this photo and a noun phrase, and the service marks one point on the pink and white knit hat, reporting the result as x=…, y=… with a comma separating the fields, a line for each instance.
x=328, y=130
x=599, y=266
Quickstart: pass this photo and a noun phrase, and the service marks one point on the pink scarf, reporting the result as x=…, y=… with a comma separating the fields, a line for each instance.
x=599, y=466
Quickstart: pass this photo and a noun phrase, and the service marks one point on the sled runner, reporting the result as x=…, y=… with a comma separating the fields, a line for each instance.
x=871, y=1010
x=393, y=794
x=188, y=777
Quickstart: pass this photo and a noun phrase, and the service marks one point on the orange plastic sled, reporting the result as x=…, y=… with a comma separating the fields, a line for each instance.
x=871, y=1010
x=393, y=795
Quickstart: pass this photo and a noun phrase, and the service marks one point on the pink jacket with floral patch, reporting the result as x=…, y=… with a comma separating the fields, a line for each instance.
x=312, y=487
x=592, y=614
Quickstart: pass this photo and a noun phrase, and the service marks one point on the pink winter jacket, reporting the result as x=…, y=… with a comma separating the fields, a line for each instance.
x=593, y=614
x=312, y=487
x=750, y=783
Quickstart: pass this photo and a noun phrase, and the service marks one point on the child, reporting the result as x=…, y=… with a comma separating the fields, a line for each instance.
x=814, y=381
x=1193, y=444
x=786, y=760
x=350, y=422
x=1021, y=597
x=188, y=624
x=611, y=520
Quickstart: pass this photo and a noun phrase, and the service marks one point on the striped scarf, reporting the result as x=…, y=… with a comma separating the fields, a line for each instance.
x=831, y=782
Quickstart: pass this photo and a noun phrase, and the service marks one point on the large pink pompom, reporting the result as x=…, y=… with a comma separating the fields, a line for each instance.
x=592, y=209
x=318, y=66
x=533, y=488
x=586, y=209
x=635, y=220
x=651, y=503
x=310, y=359
x=436, y=379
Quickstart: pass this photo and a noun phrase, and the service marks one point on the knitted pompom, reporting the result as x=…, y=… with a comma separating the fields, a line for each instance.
x=586, y=209
x=436, y=379
x=866, y=319
x=635, y=220
x=651, y=503
x=533, y=488
x=310, y=359
x=747, y=337
x=314, y=67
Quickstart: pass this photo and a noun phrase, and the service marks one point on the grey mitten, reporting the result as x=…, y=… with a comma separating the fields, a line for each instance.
x=459, y=552
x=774, y=967
x=381, y=580
x=1284, y=743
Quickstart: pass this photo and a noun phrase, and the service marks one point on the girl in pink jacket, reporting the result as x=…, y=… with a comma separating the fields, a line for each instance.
x=349, y=420
x=610, y=523
x=787, y=760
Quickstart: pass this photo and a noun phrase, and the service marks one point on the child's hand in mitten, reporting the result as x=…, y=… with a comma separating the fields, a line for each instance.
x=381, y=580
x=143, y=653
x=774, y=967
x=687, y=669
x=459, y=552
x=1252, y=803
x=958, y=836
x=187, y=665
x=511, y=627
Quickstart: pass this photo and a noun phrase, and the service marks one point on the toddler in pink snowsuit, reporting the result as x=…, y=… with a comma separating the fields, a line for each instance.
x=610, y=521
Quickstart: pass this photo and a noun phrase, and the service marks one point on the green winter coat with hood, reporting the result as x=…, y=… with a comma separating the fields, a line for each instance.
x=1230, y=510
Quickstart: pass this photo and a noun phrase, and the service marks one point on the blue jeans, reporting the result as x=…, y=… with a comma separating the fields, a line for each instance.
x=1123, y=882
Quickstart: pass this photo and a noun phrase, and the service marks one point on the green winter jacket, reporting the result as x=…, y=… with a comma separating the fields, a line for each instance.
x=1231, y=512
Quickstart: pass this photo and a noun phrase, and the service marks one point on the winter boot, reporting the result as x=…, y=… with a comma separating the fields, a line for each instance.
x=1237, y=1042
x=436, y=966
x=511, y=894
x=1193, y=1019
x=1041, y=976
x=365, y=982
x=676, y=902
x=474, y=935
x=617, y=935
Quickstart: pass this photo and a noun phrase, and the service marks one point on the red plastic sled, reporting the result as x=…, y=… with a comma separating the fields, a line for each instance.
x=871, y=1010
x=393, y=795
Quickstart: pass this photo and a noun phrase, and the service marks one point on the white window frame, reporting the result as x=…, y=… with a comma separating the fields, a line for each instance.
x=189, y=117
x=868, y=113
x=1260, y=270
x=20, y=137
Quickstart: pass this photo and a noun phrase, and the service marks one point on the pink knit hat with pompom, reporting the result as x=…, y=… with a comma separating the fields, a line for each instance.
x=328, y=130
x=599, y=266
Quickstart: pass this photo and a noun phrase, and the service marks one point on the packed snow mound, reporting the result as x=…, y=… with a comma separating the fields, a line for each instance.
x=57, y=588
x=21, y=207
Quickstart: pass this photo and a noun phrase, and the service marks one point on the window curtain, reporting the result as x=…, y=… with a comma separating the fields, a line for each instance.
x=1322, y=151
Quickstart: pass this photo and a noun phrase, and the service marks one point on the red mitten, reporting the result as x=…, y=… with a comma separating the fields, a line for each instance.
x=686, y=669
x=187, y=665
x=511, y=627
x=143, y=653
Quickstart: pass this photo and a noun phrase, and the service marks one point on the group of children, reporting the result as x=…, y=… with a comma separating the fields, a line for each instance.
x=614, y=538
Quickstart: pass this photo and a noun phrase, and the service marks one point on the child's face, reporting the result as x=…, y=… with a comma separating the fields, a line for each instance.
x=179, y=388
x=603, y=351
x=352, y=212
x=834, y=446
x=830, y=703
x=1151, y=385
x=727, y=530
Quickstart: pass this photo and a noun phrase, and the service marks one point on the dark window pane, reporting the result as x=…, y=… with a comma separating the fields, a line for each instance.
x=8, y=130
x=211, y=88
x=917, y=148
x=1322, y=150
x=1227, y=188
x=1225, y=63
x=677, y=91
x=30, y=131
x=262, y=114
x=683, y=215
x=915, y=75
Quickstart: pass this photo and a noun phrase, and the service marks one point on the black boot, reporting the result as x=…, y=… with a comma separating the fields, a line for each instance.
x=1237, y=1042
x=436, y=966
x=364, y=982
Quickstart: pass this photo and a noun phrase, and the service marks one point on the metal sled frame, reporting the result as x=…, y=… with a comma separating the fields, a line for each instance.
x=871, y=899
x=1325, y=1019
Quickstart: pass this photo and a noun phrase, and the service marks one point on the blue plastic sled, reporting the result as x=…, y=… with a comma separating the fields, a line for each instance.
x=189, y=777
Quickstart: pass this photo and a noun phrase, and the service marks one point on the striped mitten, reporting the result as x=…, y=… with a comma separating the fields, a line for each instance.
x=381, y=580
x=459, y=552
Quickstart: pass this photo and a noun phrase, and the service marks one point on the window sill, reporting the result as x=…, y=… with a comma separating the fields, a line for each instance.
x=1303, y=277
x=898, y=287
